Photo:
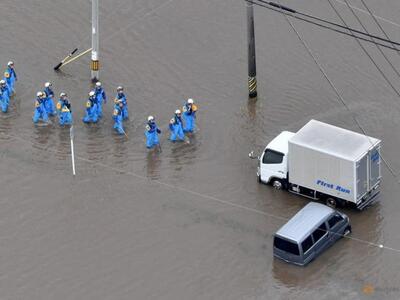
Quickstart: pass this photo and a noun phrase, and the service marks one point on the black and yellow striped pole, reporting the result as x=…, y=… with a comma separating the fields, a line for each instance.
x=252, y=80
x=94, y=65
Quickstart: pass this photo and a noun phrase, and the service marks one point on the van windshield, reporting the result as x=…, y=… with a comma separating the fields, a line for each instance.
x=286, y=246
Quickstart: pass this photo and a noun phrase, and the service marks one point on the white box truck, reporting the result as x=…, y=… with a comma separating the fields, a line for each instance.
x=324, y=162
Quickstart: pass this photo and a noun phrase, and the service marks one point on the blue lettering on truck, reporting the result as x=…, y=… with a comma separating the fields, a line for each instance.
x=333, y=186
x=375, y=157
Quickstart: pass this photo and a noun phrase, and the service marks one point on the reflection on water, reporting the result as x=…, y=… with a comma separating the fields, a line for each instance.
x=252, y=108
x=153, y=163
x=63, y=145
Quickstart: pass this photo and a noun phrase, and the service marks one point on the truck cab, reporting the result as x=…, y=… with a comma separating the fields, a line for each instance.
x=273, y=162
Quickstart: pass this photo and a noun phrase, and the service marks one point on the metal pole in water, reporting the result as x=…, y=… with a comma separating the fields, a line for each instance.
x=71, y=135
x=252, y=80
x=95, y=40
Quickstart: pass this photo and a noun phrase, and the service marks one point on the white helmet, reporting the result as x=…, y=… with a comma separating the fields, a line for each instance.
x=178, y=112
x=150, y=118
x=47, y=84
x=39, y=94
x=120, y=88
x=98, y=84
x=91, y=93
x=63, y=95
x=10, y=63
x=2, y=82
x=190, y=101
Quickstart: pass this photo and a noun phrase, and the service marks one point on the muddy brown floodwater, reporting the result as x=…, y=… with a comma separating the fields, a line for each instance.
x=140, y=225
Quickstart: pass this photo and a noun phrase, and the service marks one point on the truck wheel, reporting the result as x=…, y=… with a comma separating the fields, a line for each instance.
x=277, y=184
x=331, y=202
x=259, y=178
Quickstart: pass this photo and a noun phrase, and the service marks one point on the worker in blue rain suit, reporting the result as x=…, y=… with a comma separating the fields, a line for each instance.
x=12, y=76
x=4, y=96
x=63, y=97
x=122, y=98
x=9, y=82
x=189, y=116
x=64, y=110
x=49, y=102
x=40, y=111
x=151, y=133
x=100, y=97
x=117, y=116
x=176, y=127
x=91, y=115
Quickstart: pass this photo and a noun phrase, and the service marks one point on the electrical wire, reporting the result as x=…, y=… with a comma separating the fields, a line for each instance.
x=365, y=12
x=372, y=39
x=377, y=23
x=280, y=6
x=365, y=50
x=315, y=23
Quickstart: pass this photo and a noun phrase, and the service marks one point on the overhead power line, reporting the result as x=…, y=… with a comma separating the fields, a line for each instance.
x=291, y=14
x=377, y=46
x=277, y=5
x=379, y=25
x=365, y=51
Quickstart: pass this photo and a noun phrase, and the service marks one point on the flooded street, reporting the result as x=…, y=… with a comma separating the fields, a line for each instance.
x=191, y=222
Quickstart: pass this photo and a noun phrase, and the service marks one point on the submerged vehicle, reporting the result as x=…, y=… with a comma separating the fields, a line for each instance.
x=324, y=162
x=311, y=231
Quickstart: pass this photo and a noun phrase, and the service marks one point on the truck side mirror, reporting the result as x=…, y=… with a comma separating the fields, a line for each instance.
x=252, y=156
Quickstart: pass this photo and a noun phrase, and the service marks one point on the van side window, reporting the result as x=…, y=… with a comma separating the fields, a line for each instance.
x=307, y=244
x=319, y=232
x=286, y=246
x=334, y=220
x=272, y=157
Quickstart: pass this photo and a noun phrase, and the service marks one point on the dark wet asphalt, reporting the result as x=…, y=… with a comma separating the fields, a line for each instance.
x=139, y=225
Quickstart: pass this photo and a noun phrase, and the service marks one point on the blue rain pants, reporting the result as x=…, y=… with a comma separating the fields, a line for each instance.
x=40, y=112
x=121, y=97
x=49, y=106
x=176, y=130
x=189, y=120
x=100, y=95
x=65, y=117
x=4, y=100
x=151, y=134
x=10, y=84
x=91, y=115
x=118, y=124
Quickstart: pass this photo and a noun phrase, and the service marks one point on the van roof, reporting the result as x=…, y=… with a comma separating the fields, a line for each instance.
x=334, y=140
x=280, y=142
x=302, y=223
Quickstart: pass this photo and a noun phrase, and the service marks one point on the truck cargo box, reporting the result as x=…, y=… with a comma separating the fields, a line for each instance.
x=334, y=161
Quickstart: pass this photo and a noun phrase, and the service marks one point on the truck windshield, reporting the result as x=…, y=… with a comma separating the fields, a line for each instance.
x=272, y=157
x=286, y=246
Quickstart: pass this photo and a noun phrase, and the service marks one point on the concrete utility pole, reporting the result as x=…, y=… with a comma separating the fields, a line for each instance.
x=95, y=40
x=252, y=80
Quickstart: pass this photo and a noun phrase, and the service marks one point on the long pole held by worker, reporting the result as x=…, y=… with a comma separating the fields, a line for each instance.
x=71, y=135
x=252, y=80
x=95, y=40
